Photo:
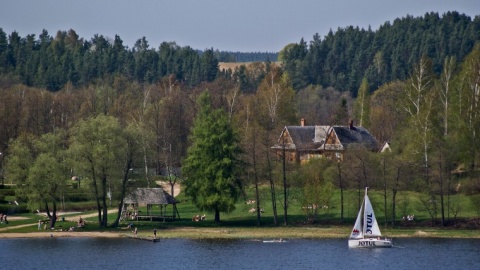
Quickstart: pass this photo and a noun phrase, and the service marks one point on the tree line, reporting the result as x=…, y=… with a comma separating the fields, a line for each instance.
x=229, y=56
x=52, y=62
x=342, y=58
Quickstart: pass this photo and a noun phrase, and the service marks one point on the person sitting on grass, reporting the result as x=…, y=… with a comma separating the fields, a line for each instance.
x=81, y=223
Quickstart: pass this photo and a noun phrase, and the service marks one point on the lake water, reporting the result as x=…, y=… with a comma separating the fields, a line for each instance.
x=124, y=253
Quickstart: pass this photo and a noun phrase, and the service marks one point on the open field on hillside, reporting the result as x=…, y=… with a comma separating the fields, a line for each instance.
x=234, y=65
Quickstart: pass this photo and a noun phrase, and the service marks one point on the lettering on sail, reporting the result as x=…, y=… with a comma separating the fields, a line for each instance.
x=368, y=229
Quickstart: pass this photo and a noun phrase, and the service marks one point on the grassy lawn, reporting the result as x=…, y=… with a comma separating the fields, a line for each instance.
x=243, y=224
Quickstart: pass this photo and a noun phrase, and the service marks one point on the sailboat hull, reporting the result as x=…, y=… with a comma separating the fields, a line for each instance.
x=370, y=243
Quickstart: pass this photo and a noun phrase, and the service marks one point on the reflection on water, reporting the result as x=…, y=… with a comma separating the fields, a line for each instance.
x=122, y=253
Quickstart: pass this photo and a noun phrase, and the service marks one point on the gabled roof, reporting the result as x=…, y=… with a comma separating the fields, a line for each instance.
x=304, y=137
x=144, y=196
x=355, y=135
x=313, y=138
x=385, y=147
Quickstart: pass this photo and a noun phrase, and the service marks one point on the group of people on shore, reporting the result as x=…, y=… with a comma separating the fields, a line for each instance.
x=131, y=216
x=135, y=232
x=198, y=218
x=408, y=218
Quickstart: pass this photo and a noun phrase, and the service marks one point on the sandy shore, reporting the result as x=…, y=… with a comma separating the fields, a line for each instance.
x=193, y=233
x=48, y=234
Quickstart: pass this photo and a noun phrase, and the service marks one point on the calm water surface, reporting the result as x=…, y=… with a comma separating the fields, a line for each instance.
x=122, y=253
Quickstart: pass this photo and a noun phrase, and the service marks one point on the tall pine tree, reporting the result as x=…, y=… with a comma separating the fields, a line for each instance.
x=211, y=167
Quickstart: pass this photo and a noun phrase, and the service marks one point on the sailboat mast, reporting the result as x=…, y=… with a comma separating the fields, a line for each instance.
x=364, y=227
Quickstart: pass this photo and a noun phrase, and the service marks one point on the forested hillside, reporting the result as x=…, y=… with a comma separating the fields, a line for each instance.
x=340, y=59
x=51, y=62
x=344, y=57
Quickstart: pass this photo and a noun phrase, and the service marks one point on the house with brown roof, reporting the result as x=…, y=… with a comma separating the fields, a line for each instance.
x=302, y=143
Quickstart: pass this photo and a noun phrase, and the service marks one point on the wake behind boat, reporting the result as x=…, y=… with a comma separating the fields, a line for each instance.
x=365, y=232
x=275, y=241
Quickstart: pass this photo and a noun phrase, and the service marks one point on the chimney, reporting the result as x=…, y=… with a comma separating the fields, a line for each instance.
x=302, y=122
x=351, y=125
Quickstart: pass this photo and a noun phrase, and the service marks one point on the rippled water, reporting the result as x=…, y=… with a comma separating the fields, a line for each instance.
x=123, y=253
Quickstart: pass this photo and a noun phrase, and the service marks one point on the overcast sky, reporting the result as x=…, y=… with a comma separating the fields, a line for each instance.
x=240, y=25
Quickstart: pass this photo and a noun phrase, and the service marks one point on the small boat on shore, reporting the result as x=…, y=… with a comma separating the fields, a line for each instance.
x=365, y=232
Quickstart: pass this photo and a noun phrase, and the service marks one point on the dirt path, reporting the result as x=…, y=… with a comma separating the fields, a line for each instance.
x=45, y=234
x=16, y=227
x=74, y=218
x=80, y=215
x=165, y=185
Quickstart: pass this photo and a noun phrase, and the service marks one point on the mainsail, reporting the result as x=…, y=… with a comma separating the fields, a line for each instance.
x=370, y=225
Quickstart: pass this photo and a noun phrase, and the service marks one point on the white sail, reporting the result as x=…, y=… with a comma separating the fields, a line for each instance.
x=366, y=233
x=357, y=231
x=370, y=227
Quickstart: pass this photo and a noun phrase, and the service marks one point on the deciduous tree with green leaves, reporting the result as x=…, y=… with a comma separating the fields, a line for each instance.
x=211, y=168
x=419, y=102
x=40, y=169
x=317, y=187
x=468, y=96
x=99, y=149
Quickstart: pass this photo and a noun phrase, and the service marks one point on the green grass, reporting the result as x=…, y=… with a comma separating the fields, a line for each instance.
x=240, y=223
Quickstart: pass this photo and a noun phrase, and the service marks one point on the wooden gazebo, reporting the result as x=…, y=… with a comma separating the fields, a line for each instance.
x=155, y=199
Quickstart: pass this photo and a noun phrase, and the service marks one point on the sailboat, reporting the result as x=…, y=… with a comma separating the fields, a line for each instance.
x=365, y=232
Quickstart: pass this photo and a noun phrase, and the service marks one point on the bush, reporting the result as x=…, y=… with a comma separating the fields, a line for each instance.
x=7, y=192
x=77, y=197
x=83, y=206
x=470, y=186
x=11, y=209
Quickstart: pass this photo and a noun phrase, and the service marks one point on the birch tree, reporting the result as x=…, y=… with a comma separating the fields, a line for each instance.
x=253, y=148
x=277, y=99
x=469, y=101
x=445, y=92
x=419, y=104
x=362, y=105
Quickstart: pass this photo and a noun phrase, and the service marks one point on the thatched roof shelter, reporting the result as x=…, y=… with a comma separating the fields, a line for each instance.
x=149, y=197
x=146, y=196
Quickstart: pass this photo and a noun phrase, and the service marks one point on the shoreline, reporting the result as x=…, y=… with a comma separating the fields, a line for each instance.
x=48, y=234
x=246, y=233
